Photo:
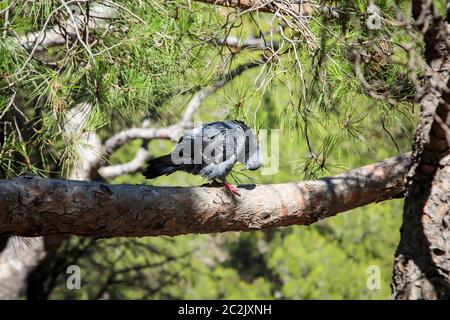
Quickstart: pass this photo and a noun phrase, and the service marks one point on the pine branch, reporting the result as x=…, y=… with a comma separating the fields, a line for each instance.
x=34, y=206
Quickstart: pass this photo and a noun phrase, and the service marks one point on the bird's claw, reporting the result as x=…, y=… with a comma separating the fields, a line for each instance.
x=231, y=188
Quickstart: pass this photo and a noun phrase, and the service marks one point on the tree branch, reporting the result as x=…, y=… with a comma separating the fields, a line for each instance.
x=100, y=18
x=240, y=44
x=141, y=156
x=293, y=7
x=33, y=206
x=303, y=7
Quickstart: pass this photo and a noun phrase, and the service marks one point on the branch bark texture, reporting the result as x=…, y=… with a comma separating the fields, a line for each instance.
x=33, y=206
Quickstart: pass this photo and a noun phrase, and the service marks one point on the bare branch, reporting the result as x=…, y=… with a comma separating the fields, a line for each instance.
x=100, y=18
x=240, y=44
x=110, y=172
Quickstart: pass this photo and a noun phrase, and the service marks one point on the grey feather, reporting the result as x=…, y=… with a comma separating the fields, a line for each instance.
x=210, y=150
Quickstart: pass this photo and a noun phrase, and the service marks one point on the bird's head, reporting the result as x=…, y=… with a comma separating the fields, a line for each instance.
x=254, y=160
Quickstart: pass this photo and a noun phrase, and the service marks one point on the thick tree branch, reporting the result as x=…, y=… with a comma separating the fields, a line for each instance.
x=303, y=7
x=33, y=206
x=290, y=7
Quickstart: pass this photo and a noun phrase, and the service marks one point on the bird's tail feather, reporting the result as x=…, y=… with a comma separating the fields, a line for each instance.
x=160, y=166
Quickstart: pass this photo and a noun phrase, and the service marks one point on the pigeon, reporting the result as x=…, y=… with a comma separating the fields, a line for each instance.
x=210, y=150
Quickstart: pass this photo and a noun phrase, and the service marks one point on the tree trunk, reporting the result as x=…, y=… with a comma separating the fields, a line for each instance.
x=422, y=260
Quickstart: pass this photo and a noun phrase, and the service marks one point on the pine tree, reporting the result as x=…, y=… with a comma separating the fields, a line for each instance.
x=87, y=88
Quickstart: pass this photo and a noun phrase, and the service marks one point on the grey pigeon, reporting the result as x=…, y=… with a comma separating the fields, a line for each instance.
x=210, y=150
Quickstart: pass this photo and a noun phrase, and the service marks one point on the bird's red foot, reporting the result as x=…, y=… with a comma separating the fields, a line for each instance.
x=231, y=188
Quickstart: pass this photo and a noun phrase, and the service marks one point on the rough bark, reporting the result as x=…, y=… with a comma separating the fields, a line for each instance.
x=422, y=260
x=33, y=206
x=296, y=7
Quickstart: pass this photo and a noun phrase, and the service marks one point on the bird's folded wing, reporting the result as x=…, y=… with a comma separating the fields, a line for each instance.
x=214, y=142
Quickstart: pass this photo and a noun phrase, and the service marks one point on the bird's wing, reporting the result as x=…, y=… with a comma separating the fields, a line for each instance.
x=220, y=141
x=214, y=142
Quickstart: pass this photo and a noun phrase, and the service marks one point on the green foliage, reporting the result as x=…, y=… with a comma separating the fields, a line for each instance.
x=130, y=77
x=341, y=101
